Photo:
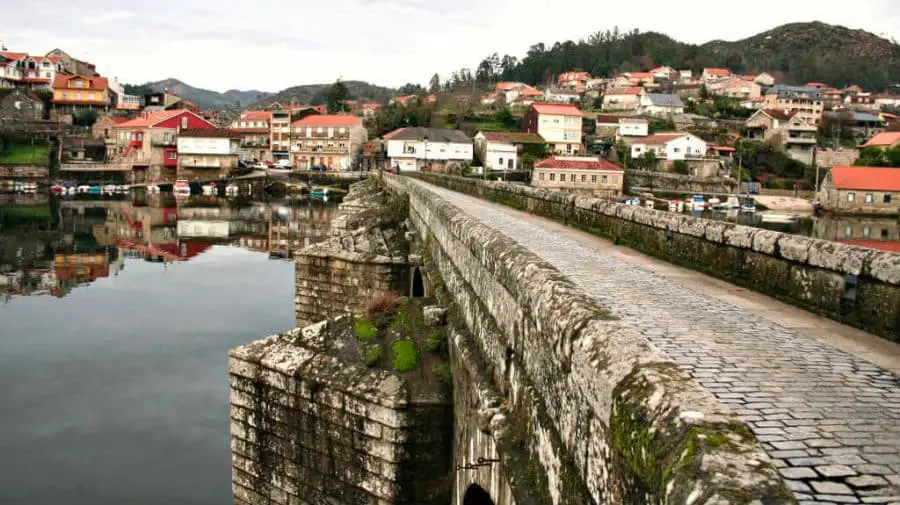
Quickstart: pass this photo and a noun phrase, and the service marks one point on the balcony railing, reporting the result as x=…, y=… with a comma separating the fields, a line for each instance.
x=201, y=165
x=264, y=145
x=162, y=142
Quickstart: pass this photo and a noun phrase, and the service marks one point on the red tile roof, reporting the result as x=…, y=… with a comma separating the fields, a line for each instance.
x=659, y=138
x=884, y=139
x=328, y=120
x=13, y=56
x=866, y=178
x=640, y=75
x=557, y=108
x=256, y=115
x=889, y=246
x=529, y=91
x=717, y=71
x=630, y=90
x=150, y=119
x=94, y=83
x=780, y=114
x=389, y=135
x=571, y=163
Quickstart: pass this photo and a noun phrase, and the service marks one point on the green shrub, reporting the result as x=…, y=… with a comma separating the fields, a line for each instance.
x=444, y=373
x=364, y=330
x=373, y=355
x=406, y=358
x=436, y=341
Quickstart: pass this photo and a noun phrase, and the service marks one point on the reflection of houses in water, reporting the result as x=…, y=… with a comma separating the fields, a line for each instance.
x=874, y=233
x=76, y=268
x=288, y=229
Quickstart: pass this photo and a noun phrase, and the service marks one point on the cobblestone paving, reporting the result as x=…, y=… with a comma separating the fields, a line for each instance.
x=830, y=421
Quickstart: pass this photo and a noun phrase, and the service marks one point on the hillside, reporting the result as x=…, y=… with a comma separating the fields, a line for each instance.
x=314, y=94
x=206, y=99
x=800, y=52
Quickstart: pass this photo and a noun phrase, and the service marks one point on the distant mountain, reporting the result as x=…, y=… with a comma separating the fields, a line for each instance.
x=797, y=52
x=206, y=99
x=314, y=94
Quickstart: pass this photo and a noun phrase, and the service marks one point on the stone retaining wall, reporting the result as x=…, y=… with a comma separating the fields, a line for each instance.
x=309, y=429
x=590, y=413
x=854, y=285
x=644, y=180
x=24, y=172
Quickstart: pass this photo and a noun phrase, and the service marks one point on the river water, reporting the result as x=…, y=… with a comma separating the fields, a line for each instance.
x=115, y=320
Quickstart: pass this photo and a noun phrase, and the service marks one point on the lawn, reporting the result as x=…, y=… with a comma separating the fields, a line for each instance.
x=25, y=154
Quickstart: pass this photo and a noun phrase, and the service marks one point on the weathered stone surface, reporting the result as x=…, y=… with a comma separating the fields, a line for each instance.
x=794, y=247
x=435, y=316
x=884, y=267
x=740, y=236
x=838, y=257
x=765, y=241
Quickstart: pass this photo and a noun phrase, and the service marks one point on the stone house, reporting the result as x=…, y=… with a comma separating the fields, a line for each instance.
x=764, y=79
x=863, y=190
x=19, y=105
x=589, y=175
x=624, y=99
x=606, y=126
x=82, y=148
x=790, y=130
x=105, y=128
x=502, y=150
x=207, y=154
x=660, y=104
x=428, y=149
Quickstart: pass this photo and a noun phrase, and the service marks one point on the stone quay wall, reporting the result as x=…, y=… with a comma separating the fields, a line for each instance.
x=644, y=180
x=24, y=172
x=854, y=285
x=588, y=411
x=309, y=429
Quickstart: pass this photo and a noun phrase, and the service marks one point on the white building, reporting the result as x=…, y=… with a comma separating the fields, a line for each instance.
x=670, y=146
x=432, y=149
x=622, y=98
x=558, y=124
x=633, y=127
x=500, y=150
x=562, y=96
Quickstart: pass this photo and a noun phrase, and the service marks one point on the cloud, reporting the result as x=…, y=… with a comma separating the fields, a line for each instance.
x=108, y=17
x=221, y=45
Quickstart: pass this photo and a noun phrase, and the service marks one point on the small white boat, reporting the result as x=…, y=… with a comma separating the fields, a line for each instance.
x=232, y=189
x=181, y=188
x=713, y=202
x=749, y=206
x=123, y=188
x=109, y=189
x=209, y=189
x=30, y=187
x=649, y=204
x=776, y=217
x=83, y=189
x=153, y=188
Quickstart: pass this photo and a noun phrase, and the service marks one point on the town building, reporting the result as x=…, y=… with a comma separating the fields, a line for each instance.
x=370, y=109
x=764, y=79
x=502, y=150
x=150, y=143
x=660, y=105
x=73, y=93
x=589, y=175
x=329, y=141
x=864, y=125
x=714, y=74
x=884, y=140
x=794, y=134
x=736, y=87
x=623, y=99
x=254, y=128
x=558, y=124
x=280, y=135
x=885, y=100
x=428, y=149
x=207, y=154
x=606, y=126
x=33, y=72
x=664, y=73
x=562, y=96
x=865, y=190
x=19, y=106
x=633, y=127
x=669, y=146
x=573, y=79
x=72, y=65
x=404, y=99
x=805, y=101
x=105, y=129
x=161, y=100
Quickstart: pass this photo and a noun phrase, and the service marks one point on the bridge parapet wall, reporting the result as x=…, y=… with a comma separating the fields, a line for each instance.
x=589, y=412
x=854, y=285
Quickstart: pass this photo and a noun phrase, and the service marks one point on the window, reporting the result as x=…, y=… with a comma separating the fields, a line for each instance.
x=848, y=231
x=884, y=233
x=500, y=160
x=593, y=179
x=172, y=155
x=184, y=122
x=572, y=178
x=552, y=177
x=677, y=149
x=78, y=96
x=870, y=198
x=867, y=230
x=47, y=75
x=604, y=179
x=583, y=178
x=887, y=198
x=851, y=197
x=541, y=176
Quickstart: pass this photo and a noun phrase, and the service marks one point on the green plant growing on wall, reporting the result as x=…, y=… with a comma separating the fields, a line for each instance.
x=406, y=358
x=373, y=355
x=435, y=341
x=444, y=373
x=680, y=167
x=364, y=330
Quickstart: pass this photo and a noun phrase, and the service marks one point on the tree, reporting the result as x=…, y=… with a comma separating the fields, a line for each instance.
x=85, y=117
x=336, y=97
x=680, y=167
x=137, y=90
x=435, y=85
x=877, y=157
x=411, y=89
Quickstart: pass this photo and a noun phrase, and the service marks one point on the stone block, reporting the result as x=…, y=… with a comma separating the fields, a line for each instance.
x=838, y=257
x=794, y=247
x=765, y=241
x=693, y=226
x=740, y=236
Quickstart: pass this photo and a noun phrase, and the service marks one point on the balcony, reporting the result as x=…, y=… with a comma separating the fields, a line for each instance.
x=170, y=142
x=202, y=165
x=255, y=144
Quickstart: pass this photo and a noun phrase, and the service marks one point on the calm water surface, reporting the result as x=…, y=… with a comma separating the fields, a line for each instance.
x=114, y=330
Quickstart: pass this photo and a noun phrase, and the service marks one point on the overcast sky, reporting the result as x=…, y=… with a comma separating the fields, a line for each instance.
x=273, y=44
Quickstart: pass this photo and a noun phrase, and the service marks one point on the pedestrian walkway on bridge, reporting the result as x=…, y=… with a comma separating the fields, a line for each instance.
x=822, y=398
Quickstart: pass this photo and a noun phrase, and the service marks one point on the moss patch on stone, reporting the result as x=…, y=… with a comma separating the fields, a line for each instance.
x=364, y=330
x=373, y=355
x=444, y=373
x=406, y=355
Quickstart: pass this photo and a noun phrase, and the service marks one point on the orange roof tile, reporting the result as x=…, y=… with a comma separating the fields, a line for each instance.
x=574, y=164
x=328, y=120
x=94, y=83
x=151, y=119
x=640, y=75
x=884, y=139
x=393, y=133
x=13, y=56
x=866, y=178
x=630, y=90
x=716, y=71
x=557, y=108
x=256, y=115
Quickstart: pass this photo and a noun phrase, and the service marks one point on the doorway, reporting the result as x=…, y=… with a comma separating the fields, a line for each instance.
x=476, y=495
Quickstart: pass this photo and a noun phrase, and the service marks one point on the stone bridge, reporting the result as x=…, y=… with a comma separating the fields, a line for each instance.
x=588, y=373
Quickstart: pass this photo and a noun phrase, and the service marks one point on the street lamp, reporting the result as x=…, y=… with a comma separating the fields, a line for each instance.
x=425, y=162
